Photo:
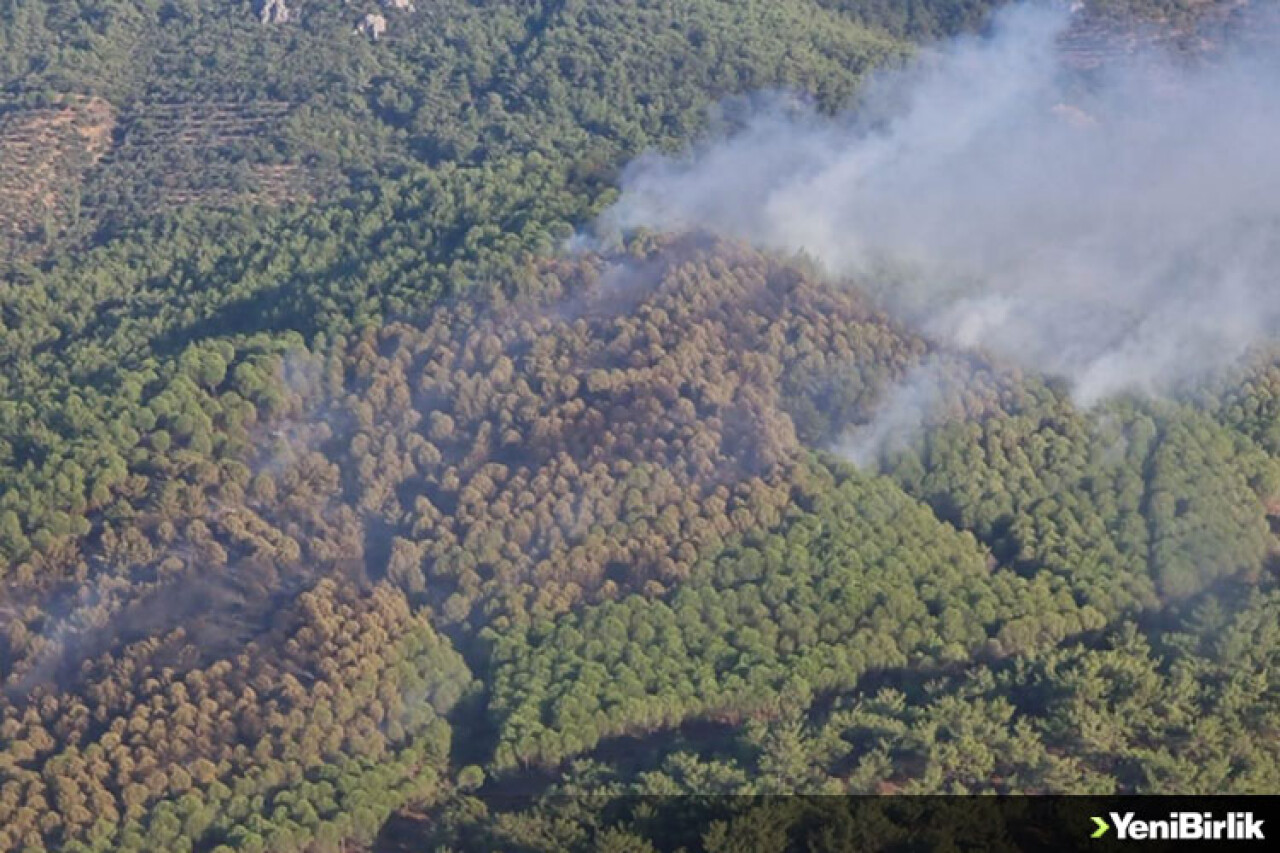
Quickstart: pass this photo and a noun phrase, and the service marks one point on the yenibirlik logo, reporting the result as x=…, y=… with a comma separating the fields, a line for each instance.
x=1182, y=826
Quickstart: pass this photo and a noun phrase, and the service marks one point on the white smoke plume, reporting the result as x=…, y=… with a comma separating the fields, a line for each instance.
x=1122, y=231
x=900, y=419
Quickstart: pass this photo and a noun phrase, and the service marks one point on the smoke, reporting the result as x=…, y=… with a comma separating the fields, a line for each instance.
x=1120, y=230
x=900, y=420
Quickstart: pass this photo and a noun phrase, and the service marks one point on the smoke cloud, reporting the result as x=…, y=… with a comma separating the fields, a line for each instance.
x=901, y=418
x=1121, y=230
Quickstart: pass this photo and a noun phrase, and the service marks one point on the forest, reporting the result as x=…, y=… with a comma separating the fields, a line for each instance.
x=350, y=499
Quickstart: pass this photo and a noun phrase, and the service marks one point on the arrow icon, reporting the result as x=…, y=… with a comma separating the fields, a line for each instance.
x=1102, y=828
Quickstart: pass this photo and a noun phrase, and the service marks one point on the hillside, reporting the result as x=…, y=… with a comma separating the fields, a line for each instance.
x=350, y=485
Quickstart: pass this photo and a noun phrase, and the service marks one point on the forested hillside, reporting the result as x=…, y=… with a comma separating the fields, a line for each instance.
x=345, y=486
